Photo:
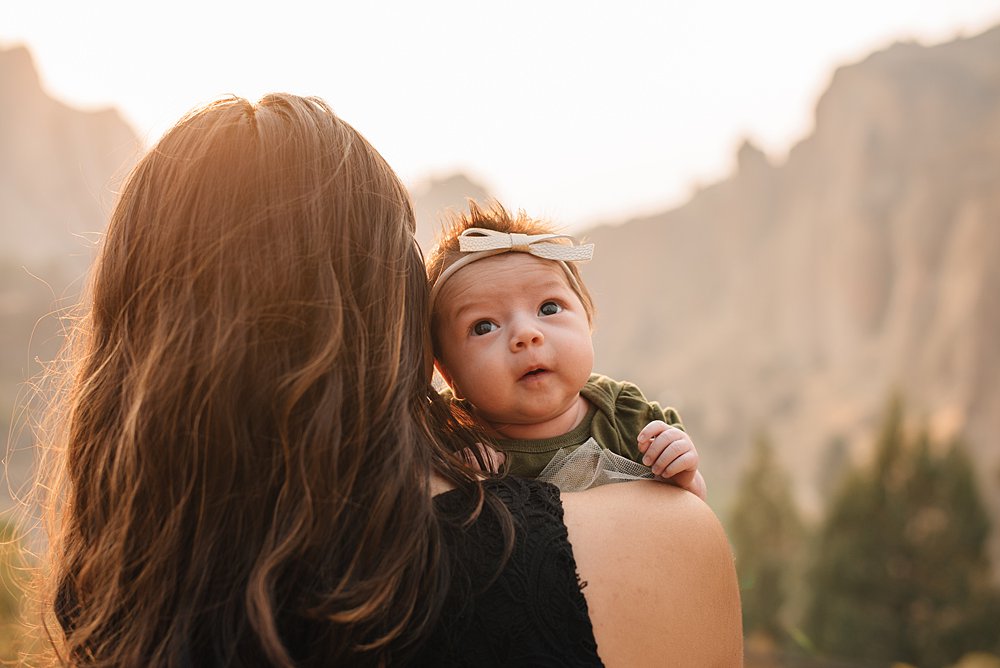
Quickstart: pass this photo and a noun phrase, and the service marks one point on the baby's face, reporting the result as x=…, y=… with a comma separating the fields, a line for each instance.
x=514, y=339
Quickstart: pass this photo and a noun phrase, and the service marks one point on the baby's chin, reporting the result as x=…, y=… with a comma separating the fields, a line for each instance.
x=547, y=425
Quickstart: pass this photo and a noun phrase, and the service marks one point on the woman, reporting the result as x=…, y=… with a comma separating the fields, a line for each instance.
x=256, y=471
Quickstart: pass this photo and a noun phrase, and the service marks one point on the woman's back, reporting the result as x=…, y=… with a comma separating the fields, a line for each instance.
x=590, y=580
x=525, y=610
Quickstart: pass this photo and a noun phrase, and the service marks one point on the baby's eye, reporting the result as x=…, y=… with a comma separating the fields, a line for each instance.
x=549, y=308
x=483, y=327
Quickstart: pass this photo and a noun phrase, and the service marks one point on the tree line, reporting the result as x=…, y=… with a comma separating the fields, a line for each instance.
x=897, y=571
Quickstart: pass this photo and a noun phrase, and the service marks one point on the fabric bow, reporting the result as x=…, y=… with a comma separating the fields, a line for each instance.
x=477, y=240
x=478, y=243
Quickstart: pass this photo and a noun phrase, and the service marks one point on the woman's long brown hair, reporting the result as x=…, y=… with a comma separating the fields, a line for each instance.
x=244, y=432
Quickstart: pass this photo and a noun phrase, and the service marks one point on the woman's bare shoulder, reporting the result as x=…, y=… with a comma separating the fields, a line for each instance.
x=647, y=522
x=643, y=503
x=660, y=573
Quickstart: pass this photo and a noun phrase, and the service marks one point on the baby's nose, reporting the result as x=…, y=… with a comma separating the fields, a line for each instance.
x=525, y=335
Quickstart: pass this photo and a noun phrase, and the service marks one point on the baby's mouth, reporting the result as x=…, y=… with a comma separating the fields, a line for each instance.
x=534, y=373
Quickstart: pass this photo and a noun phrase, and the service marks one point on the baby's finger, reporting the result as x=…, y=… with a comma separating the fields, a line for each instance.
x=494, y=458
x=661, y=442
x=667, y=455
x=650, y=432
x=666, y=437
x=677, y=445
x=653, y=451
x=465, y=454
x=687, y=461
x=672, y=434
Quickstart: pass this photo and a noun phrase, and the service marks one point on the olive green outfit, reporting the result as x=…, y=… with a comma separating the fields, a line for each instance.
x=618, y=412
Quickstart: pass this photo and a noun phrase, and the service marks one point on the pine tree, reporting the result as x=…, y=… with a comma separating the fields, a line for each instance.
x=901, y=570
x=954, y=611
x=767, y=533
x=833, y=465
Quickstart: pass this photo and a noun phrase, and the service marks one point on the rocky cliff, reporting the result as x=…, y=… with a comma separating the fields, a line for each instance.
x=797, y=297
x=58, y=166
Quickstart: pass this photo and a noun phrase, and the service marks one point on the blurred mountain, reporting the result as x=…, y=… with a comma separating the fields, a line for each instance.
x=795, y=298
x=435, y=197
x=58, y=166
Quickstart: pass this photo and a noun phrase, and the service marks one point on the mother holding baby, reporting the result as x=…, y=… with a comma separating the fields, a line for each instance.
x=254, y=469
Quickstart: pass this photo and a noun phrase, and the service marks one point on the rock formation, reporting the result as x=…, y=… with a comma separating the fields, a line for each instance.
x=796, y=298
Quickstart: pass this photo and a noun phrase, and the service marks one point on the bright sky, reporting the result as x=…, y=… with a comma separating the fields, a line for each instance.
x=583, y=111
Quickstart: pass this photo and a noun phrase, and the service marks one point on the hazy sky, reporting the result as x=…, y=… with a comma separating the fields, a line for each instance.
x=581, y=111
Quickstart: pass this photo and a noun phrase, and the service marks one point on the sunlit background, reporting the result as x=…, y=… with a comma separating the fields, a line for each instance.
x=584, y=111
x=795, y=208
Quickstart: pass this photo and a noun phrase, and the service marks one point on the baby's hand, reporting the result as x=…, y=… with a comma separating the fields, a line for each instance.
x=494, y=459
x=672, y=456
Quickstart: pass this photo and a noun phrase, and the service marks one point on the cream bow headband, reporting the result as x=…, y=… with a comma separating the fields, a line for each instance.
x=481, y=243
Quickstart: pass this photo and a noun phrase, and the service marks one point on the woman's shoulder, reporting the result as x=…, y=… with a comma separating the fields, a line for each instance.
x=660, y=574
x=647, y=505
x=648, y=518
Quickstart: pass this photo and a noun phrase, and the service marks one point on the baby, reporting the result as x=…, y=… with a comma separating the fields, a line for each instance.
x=511, y=322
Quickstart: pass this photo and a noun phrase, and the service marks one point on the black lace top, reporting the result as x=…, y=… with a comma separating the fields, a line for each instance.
x=530, y=613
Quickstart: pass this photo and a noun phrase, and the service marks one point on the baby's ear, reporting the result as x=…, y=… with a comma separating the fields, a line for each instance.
x=443, y=372
x=446, y=377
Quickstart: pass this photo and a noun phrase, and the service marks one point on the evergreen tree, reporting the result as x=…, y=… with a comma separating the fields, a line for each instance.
x=766, y=533
x=833, y=465
x=901, y=571
x=954, y=610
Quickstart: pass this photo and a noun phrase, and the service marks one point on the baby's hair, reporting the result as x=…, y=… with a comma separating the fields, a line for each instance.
x=493, y=216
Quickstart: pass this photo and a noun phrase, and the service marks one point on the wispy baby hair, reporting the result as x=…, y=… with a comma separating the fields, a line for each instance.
x=493, y=216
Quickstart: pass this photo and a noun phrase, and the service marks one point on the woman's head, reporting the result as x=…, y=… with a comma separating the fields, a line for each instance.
x=248, y=392
x=259, y=236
